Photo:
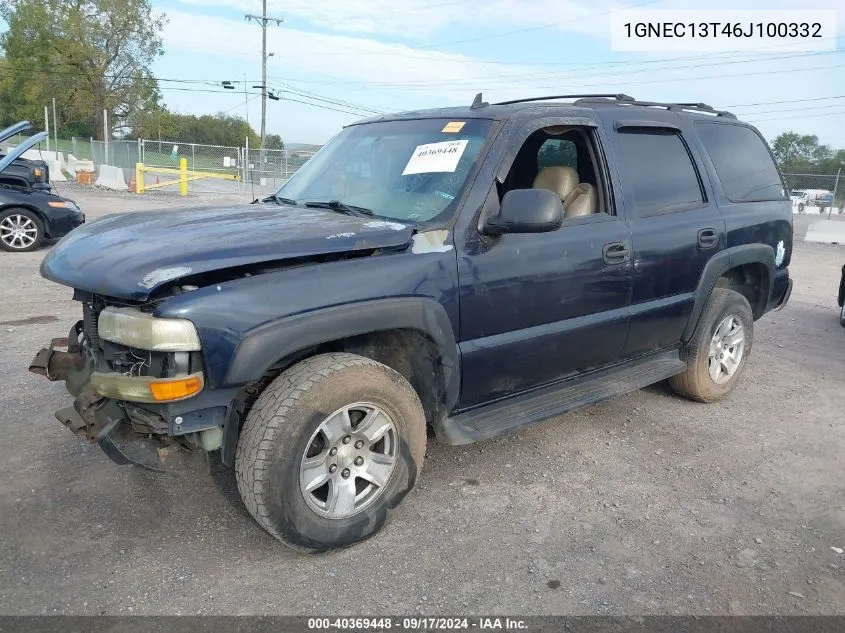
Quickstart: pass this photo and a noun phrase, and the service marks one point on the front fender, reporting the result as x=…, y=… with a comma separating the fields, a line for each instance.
x=268, y=343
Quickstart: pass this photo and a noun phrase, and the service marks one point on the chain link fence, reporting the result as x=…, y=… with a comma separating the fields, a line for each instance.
x=260, y=171
x=814, y=192
x=213, y=159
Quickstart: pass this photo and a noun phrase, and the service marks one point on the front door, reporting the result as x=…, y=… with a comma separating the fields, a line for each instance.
x=536, y=308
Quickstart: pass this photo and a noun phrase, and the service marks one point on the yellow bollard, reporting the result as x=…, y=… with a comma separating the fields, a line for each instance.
x=183, y=176
x=139, y=178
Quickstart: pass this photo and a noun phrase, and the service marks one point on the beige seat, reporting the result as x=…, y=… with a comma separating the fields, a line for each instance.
x=557, y=179
x=577, y=198
x=580, y=201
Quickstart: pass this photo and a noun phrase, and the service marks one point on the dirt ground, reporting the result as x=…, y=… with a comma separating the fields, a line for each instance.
x=647, y=504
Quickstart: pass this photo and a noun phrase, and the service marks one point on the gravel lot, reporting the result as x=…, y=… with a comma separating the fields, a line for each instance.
x=647, y=504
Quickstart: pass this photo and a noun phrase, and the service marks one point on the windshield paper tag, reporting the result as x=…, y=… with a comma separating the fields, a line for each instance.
x=435, y=157
x=453, y=127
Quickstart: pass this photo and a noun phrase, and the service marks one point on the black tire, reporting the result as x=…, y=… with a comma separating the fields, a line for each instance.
x=281, y=426
x=842, y=315
x=696, y=383
x=26, y=216
x=800, y=207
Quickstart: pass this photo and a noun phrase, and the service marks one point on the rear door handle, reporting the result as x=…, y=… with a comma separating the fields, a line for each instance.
x=615, y=253
x=707, y=238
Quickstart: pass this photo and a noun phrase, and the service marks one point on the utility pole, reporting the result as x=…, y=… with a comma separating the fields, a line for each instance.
x=263, y=20
x=55, y=128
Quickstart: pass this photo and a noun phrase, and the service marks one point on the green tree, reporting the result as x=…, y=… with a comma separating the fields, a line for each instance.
x=219, y=129
x=91, y=55
x=795, y=151
x=273, y=141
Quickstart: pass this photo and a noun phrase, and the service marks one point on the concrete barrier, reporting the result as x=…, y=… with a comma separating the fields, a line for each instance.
x=75, y=165
x=826, y=232
x=56, y=173
x=43, y=154
x=111, y=178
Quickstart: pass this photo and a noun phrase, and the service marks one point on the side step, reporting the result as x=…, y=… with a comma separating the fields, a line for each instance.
x=547, y=402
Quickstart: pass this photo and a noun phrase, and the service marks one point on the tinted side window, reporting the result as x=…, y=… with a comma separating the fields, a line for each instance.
x=557, y=152
x=658, y=170
x=742, y=162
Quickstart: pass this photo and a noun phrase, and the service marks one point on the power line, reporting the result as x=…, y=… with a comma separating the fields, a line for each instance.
x=571, y=74
x=209, y=82
x=740, y=105
x=440, y=45
x=804, y=109
x=798, y=116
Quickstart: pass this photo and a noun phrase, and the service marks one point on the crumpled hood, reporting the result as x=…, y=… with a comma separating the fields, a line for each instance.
x=129, y=255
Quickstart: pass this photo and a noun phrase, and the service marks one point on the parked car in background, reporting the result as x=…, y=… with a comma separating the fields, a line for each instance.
x=803, y=198
x=29, y=215
x=23, y=172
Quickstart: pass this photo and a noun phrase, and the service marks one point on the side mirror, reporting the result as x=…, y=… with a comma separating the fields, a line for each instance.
x=527, y=211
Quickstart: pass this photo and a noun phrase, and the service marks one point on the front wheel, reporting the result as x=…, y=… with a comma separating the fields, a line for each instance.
x=719, y=349
x=20, y=230
x=800, y=208
x=330, y=448
x=842, y=315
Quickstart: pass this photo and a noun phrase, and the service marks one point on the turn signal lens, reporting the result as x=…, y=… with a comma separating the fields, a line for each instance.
x=177, y=389
x=145, y=388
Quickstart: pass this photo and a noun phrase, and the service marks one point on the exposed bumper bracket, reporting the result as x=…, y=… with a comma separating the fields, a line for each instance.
x=55, y=364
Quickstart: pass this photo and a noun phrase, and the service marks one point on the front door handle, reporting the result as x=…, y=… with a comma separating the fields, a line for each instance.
x=707, y=238
x=615, y=253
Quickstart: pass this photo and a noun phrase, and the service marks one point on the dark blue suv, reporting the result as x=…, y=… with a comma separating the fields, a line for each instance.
x=468, y=270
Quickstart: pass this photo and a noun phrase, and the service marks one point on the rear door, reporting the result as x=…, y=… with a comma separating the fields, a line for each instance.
x=751, y=194
x=675, y=224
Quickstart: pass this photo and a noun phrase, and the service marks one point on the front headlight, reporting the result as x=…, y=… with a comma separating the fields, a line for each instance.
x=134, y=328
x=63, y=204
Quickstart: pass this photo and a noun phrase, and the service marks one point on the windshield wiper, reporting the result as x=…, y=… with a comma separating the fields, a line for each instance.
x=279, y=200
x=340, y=207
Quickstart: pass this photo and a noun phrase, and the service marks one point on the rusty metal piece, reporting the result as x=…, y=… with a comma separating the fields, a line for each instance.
x=72, y=420
x=54, y=364
x=170, y=451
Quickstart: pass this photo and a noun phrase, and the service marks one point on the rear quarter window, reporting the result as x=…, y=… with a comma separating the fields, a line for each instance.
x=742, y=161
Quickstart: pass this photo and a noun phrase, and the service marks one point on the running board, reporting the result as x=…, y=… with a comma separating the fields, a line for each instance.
x=547, y=402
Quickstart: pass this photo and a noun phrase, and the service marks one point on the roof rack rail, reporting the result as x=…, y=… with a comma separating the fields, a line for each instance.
x=617, y=97
x=701, y=107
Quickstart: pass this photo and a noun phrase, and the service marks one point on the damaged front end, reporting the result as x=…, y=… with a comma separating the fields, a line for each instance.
x=123, y=393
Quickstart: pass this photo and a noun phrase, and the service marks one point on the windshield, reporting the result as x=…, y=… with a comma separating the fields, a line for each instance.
x=404, y=170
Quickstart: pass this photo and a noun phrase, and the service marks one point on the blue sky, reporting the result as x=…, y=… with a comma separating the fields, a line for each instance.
x=369, y=56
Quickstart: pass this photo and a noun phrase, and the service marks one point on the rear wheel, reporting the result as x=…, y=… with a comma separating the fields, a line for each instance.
x=842, y=315
x=800, y=207
x=20, y=230
x=719, y=348
x=329, y=449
